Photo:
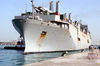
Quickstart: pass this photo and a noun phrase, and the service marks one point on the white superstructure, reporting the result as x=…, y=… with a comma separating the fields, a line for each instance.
x=50, y=32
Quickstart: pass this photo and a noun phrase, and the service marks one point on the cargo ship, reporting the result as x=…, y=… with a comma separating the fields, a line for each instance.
x=44, y=30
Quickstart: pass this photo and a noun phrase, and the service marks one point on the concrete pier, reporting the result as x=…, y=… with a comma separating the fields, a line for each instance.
x=78, y=59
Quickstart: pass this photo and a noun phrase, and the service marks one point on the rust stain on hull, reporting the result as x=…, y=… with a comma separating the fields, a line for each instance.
x=41, y=39
x=66, y=33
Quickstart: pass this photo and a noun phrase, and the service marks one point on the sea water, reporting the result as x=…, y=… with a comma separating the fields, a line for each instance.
x=10, y=57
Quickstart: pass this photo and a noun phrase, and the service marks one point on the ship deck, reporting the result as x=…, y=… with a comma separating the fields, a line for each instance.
x=78, y=59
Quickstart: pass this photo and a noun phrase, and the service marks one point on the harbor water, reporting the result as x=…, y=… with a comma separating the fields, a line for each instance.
x=16, y=57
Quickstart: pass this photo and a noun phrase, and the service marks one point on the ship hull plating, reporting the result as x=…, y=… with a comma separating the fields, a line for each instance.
x=43, y=37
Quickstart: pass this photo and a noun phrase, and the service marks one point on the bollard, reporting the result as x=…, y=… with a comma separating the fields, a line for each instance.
x=99, y=48
x=91, y=48
x=64, y=53
x=82, y=50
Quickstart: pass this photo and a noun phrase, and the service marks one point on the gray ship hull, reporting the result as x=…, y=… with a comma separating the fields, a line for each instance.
x=47, y=37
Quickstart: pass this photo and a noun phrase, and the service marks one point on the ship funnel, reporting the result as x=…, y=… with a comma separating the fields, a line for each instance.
x=51, y=6
x=69, y=16
x=58, y=7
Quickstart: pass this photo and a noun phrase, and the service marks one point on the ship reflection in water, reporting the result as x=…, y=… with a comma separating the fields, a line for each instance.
x=32, y=58
x=16, y=57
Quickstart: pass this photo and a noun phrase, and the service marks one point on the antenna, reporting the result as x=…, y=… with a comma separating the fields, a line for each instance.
x=26, y=8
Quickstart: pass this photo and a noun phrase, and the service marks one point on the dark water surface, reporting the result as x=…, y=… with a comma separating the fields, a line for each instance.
x=16, y=57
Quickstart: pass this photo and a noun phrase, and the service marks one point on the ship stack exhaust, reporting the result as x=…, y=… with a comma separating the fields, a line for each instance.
x=51, y=6
x=58, y=7
x=70, y=16
x=70, y=20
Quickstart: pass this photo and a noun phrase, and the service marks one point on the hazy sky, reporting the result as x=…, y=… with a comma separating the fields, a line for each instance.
x=87, y=10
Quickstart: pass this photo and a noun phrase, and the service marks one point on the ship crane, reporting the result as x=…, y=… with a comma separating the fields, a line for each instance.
x=32, y=8
x=41, y=9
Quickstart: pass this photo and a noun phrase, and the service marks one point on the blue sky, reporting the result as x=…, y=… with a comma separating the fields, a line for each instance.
x=86, y=10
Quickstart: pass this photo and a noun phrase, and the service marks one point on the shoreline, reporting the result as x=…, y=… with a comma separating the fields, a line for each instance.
x=78, y=59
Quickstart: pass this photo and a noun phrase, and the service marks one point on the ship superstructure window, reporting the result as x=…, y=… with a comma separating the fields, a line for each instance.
x=55, y=24
x=63, y=26
x=66, y=26
x=58, y=25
